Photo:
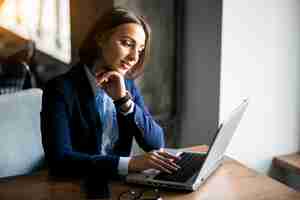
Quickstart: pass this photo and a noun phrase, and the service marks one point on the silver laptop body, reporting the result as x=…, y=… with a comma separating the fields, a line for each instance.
x=213, y=158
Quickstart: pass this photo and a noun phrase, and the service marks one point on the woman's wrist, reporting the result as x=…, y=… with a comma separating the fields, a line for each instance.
x=124, y=104
x=120, y=101
x=125, y=107
x=122, y=95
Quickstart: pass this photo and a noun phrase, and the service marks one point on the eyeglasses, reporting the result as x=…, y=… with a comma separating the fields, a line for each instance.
x=140, y=195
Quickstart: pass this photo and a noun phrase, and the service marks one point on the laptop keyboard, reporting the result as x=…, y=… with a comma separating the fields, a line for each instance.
x=189, y=163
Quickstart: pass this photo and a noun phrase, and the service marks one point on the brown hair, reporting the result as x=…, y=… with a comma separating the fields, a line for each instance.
x=90, y=51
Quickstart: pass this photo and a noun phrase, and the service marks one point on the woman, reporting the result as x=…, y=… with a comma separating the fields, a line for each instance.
x=91, y=114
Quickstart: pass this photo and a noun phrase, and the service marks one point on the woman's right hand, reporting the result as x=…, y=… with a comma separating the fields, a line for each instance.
x=157, y=159
x=113, y=83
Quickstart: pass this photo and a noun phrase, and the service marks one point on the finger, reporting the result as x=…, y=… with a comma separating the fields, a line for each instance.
x=111, y=74
x=169, y=158
x=101, y=79
x=103, y=84
x=168, y=155
x=100, y=75
x=169, y=162
x=104, y=74
x=156, y=165
x=163, y=162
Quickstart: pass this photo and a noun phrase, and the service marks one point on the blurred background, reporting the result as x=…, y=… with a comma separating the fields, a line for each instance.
x=39, y=39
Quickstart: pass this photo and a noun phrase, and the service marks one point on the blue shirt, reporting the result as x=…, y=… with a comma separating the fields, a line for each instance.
x=108, y=116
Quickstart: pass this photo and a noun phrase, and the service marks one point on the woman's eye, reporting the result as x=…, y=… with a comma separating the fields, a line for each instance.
x=126, y=43
x=130, y=44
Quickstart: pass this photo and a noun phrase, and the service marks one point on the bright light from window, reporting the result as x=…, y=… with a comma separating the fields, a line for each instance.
x=47, y=22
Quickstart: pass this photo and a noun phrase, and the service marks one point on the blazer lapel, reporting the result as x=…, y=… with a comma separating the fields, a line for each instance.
x=86, y=97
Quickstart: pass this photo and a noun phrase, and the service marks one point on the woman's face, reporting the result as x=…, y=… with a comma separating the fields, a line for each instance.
x=122, y=49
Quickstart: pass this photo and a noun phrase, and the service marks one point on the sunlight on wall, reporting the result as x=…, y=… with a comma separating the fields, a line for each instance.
x=47, y=22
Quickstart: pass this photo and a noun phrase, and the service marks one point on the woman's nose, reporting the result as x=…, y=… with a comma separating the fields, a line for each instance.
x=134, y=55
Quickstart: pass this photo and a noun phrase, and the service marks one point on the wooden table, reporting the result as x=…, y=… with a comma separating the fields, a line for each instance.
x=231, y=181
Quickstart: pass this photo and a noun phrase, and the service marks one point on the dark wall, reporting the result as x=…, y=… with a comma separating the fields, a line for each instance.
x=181, y=80
x=199, y=68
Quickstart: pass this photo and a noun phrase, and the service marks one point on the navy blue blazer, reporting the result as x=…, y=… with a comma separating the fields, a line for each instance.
x=71, y=125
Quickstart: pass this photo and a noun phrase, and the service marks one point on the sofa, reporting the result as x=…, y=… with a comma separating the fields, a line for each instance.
x=21, y=150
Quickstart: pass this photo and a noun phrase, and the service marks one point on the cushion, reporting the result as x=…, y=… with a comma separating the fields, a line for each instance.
x=21, y=150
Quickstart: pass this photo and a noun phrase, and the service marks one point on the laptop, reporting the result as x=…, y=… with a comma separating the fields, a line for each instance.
x=195, y=167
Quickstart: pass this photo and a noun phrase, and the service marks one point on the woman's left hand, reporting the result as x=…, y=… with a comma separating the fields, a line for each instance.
x=113, y=83
x=156, y=159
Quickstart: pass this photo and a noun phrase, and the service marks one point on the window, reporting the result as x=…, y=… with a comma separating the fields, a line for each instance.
x=46, y=22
